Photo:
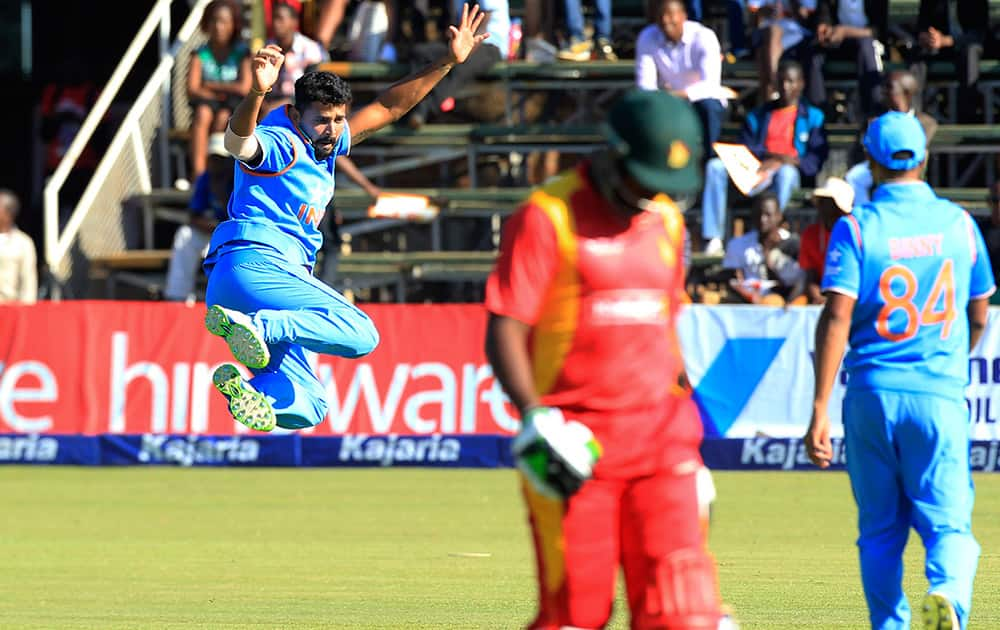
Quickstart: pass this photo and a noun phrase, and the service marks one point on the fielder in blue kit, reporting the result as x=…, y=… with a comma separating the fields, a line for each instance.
x=263, y=299
x=907, y=282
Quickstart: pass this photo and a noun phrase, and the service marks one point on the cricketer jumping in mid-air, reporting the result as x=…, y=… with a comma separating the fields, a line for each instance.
x=263, y=299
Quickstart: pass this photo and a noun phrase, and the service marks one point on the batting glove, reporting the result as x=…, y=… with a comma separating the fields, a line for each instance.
x=556, y=455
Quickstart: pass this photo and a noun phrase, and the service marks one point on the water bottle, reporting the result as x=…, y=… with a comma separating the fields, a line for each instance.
x=514, y=40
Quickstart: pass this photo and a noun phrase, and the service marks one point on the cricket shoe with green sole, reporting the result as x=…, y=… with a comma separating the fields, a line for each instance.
x=245, y=339
x=248, y=406
x=939, y=613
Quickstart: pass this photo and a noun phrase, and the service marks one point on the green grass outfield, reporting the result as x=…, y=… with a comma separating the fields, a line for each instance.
x=321, y=548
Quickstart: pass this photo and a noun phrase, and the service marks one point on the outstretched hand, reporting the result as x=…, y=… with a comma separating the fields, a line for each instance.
x=266, y=64
x=463, y=37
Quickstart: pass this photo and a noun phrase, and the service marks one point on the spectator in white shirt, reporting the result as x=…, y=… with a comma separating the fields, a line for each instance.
x=684, y=58
x=18, y=275
x=764, y=261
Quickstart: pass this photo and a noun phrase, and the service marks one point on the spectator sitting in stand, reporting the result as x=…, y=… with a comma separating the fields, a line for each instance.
x=577, y=48
x=300, y=53
x=762, y=262
x=208, y=205
x=218, y=77
x=783, y=30
x=847, y=29
x=786, y=135
x=684, y=58
x=900, y=93
x=735, y=42
x=18, y=260
x=833, y=200
x=956, y=31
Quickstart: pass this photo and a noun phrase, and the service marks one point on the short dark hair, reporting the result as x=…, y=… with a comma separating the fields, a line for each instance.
x=280, y=6
x=767, y=195
x=790, y=64
x=234, y=10
x=321, y=87
x=657, y=7
x=8, y=199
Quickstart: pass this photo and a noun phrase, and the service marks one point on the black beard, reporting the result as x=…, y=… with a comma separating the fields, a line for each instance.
x=322, y=151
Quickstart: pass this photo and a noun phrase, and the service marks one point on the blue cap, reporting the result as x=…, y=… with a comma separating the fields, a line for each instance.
x=896, y=141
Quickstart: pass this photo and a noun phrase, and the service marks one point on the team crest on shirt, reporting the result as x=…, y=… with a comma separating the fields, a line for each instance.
x=679, y=155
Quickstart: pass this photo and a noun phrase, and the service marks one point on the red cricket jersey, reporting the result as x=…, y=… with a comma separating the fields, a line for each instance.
x=601, y=293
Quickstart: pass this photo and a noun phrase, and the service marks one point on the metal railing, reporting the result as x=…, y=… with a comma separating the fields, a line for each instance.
x=95, y=225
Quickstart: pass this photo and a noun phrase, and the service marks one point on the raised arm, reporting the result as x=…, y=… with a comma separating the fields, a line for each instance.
x=390, y=105
x=240, y=141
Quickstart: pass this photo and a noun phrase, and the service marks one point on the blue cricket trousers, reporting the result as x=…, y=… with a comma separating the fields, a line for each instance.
x=300, y=316
x=908, y=460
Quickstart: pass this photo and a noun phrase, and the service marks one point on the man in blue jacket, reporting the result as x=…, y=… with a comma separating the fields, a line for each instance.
x=788, y=138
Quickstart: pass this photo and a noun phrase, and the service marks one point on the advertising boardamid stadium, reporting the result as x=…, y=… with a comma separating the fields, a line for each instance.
x=130, y=384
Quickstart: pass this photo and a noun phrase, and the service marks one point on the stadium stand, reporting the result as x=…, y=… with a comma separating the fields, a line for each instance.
x=474, y=169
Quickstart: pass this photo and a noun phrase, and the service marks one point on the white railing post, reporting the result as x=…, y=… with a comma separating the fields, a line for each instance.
x=57, y=241
x=90, y=123
x=163, y=140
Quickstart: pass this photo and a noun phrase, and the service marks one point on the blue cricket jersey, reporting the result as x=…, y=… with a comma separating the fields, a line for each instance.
x=913, y=261
x=280, y=203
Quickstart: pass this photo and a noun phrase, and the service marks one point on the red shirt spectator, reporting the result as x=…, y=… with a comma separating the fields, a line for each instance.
x=833, y=200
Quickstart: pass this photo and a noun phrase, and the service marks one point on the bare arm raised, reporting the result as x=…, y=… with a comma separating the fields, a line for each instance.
x=390, y=105
x=240, y=141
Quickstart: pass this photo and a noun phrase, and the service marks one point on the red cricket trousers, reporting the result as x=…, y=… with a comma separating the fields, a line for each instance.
x=650, y=527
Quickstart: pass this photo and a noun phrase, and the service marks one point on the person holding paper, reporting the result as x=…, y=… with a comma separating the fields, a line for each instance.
x=684, y=58
x=763, y=261
x=786, y=135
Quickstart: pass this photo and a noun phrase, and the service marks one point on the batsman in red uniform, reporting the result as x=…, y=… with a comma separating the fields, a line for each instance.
x=582, y=307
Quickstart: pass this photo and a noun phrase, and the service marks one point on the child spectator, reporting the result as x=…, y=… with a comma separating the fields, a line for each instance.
x=833, y=200
x=763, y=261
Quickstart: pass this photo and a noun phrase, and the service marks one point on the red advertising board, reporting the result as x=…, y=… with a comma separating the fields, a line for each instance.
x=95, y=367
